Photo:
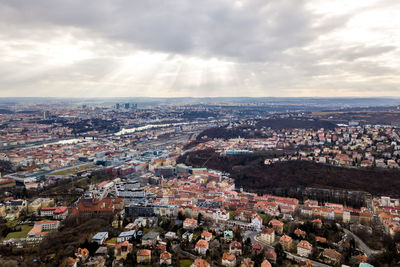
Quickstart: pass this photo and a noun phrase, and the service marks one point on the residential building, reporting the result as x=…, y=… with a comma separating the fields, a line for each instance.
x=304, y=248
x=100, y=237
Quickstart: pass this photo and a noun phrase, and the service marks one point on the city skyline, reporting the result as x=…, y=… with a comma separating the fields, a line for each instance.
x=207, y=49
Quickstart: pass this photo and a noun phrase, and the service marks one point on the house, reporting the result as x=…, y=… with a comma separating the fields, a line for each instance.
x=200, y=263
x=247, y=262
x=100, y=237
x=317, y=223
x=171, y=235
x=304, y=248
x=257, y=247
x=201, y=247
x=228, y=235
x=332, y=256
x=150, y=239
x=140, y=222
x=166, y=258
x=162, y=247
x=41, y=228
x=82, y=254
x=88, y=206
x=320, y=239
x=271, y=255
x=235, y=248
x=286, y=242
x=365, y=217
x=69, y=262
x=143, y=256
x=187, y=236
x=121, y=250
x=206, y=236
x=300, y=233
x=268, y=235
x=55, y=212
x=126, y=236
x=306, y=211
x=228, y=260
x=346, y=216
x=277, y=225
x=256, y=222
x=97, y=261
x=221, y=215
x=266, y=263
x=189, y=224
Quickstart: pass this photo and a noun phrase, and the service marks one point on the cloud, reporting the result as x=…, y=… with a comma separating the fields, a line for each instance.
x=204, y=48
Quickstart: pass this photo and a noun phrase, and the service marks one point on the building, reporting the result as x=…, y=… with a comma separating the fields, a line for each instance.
x=200, y=263
x=189, y=224
x=228, y=260
x=59, y=213
x=100, y=237
x=150, y=239
x=332, y=256
x=126, y=236
x=228, y=235
x=247, y=262
x=206, y=236
x=187, y=236
x=41, y=228
x=166, y=258
x=90, y=207
x=121, y=250
x=300, y=233
x=143, y=256
x=82, y=254
x=171, y=235
x=277, y=225
x=221, y=215
x=304, y=248
x=256, y=221
x=286, y=242
x=201, y=247
x=268, y=235
x=235, y=248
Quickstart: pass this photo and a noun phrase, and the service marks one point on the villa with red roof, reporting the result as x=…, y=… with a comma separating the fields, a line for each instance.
x=304, y=248
x=286, y=242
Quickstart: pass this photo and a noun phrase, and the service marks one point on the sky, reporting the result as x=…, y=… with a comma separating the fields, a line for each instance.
x=207, y=48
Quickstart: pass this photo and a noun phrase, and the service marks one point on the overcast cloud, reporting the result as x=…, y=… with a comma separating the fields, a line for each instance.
x=199, y=48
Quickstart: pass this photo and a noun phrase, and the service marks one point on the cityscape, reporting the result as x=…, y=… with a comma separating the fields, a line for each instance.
x=203, y=184
x=213, y=133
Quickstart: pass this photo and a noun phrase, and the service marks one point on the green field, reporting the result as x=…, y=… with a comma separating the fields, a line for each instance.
x=82, y=182
x=185, y=263
x=22, y=234
x=112, y=240
x=73, y=170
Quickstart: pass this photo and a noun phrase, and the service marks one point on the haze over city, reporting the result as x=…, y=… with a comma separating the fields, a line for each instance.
x=200, y=49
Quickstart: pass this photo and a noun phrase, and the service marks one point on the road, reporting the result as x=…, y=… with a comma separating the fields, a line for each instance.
x=363, y=247
x=298, y=259
x=177, y=249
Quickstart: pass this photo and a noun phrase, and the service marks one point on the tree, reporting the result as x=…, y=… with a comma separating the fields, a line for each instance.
x=238, y=235
x=181, y=216
x=280, y=254
x=199, y=217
